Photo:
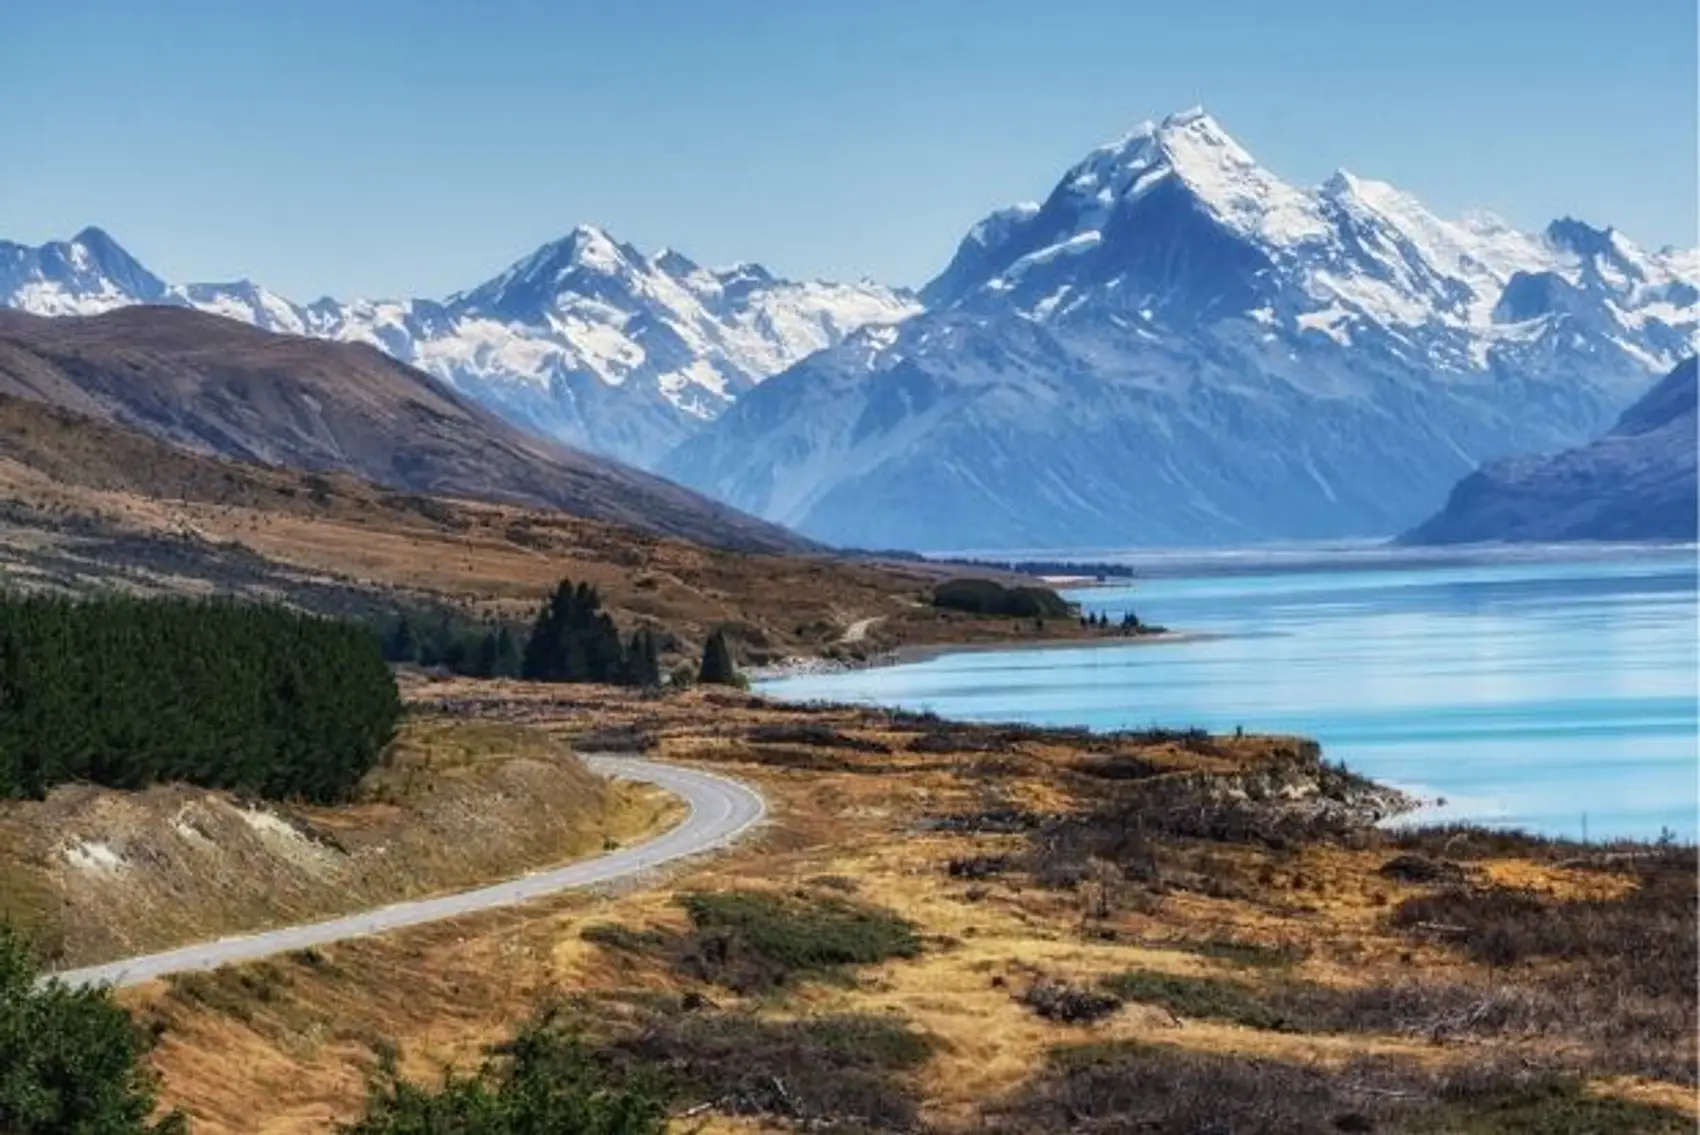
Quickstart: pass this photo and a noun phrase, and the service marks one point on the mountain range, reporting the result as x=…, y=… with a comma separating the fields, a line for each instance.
x=587, y=340
x=1175, y=346
x=1637, y=482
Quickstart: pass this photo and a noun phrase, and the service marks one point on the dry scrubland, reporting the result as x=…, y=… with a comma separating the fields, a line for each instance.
x=943, y=927
x=954, y=928
x=86, y=505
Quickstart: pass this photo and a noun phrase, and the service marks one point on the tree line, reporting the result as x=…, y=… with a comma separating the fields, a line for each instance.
x=125, y=692
x=571, y=639
x=989, y=597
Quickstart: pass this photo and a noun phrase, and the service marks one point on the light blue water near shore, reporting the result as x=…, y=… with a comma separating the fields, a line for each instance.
x=1527, y=694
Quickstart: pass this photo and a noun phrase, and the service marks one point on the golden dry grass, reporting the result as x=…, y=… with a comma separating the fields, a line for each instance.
x=454, y=804
x=442, y=992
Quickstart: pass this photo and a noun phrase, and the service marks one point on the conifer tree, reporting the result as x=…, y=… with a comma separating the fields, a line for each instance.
x=717, y=666
x=404, y=644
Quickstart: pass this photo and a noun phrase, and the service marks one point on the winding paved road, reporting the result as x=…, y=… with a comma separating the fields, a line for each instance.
x=720, y=811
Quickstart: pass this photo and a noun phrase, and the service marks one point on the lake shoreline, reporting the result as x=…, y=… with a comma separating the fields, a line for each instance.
x=927, y=652
x=1478, y=686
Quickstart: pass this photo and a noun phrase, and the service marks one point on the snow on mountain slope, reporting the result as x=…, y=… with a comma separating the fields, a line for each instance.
x=587, y=339
x=1178, y=347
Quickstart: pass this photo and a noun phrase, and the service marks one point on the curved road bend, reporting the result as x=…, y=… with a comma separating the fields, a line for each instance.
x=720, y=811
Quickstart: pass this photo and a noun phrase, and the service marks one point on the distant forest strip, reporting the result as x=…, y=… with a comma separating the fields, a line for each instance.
x=988, y=597
x=1097, y=570
x=125, y=692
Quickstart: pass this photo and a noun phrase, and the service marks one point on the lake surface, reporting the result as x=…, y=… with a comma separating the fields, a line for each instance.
x=1545, y=695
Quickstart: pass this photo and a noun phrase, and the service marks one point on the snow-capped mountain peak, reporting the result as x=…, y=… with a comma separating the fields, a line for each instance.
x=1178, y=346
x=586, y=339
x=85, y=275
x=1228, y=181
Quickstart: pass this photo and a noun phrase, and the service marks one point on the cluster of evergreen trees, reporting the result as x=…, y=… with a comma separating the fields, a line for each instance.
x=574, y=640
x=124, y=692
x=988, y=597
x=478, y=650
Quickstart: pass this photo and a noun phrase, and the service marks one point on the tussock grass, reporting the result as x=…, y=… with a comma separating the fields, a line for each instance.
x=841, y=1072
x=1162, y=1090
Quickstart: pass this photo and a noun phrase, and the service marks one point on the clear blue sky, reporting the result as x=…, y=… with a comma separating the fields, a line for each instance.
x=391, y=147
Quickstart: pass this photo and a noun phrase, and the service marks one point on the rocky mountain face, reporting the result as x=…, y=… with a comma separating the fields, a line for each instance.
x=214, y=386
x=1637, y=482
x=1178, y=347
x=587, y=340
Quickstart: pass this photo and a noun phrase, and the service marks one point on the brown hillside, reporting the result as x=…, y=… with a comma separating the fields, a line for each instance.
x=220, y=387
x=86, y=505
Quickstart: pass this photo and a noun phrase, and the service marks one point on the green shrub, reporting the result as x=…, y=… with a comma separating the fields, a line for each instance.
x=813, y=934
x=1208, y=998
x=749, y=941
x=542, y=1082
x=70, y=1059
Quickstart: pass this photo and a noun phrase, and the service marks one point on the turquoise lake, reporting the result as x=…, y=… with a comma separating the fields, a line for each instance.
x=1555, y=696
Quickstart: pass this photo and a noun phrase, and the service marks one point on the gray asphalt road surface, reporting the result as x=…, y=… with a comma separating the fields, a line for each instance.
x=720, y=811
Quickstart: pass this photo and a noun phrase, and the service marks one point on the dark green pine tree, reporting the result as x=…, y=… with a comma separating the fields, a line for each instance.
x=643, y=660
x=545, y=654
x=403, y=644
x=485, y=658
x=507, y=654
x=717, y=666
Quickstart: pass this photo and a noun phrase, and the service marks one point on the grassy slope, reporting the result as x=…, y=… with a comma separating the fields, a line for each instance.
x=454, y=805
x=92, y=505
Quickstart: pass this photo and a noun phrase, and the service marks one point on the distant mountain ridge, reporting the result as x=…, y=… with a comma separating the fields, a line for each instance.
x=1177, y=347
x=1638, y=482
x=214, y=386
x=1174, y=347
x=586, y=340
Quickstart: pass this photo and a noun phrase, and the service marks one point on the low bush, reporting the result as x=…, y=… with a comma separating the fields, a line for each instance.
x=1204, y=998
x=978, y=866
x=749, y=940
x=1068, y=1004
x=843, y=1072
x=1412, y=868
x=1654, y=922
x=1162, y=1090
x=1247, y=955
x=624, y=939
x=543, y=1080
x=616, y=739
x=812, y=733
